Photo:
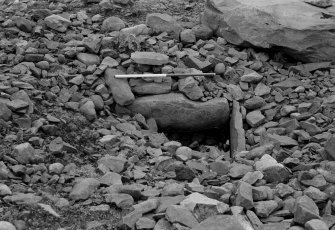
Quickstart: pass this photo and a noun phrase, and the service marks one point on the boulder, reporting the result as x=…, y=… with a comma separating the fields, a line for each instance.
x=175, y=111
x=300, y=29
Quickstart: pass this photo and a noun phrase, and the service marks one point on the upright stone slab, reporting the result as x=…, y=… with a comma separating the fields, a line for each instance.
x=237, y=133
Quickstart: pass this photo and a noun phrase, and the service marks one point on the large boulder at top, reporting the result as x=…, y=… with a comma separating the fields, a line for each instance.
x=304, y=31
x=175, y=111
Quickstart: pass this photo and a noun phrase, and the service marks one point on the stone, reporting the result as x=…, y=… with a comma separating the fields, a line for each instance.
x=304, y=210
x=175, y=111
x=145, y=223
x=189, y=86
x=111, y=178
x=163, y=23
x=181, y=215
x=320, y=3
x=255, y=118
x=238, y=22
x=57, y=22
x=84, y=189
x=316, y=225
x=88, y=59
x=5, y=112
x=330, y=147
x=265, y=208
x=111, y=24
x=115, y=164
x=88, y=109
x=220, y=222
x=244, y=196
x=24, y=24
x=142, y=87
x=121, y=200
x=187, y=36
x=4, y=225
x=24, y=153
x=237, y=133
x=252, y=77
x=149, y=58
x=120, y=88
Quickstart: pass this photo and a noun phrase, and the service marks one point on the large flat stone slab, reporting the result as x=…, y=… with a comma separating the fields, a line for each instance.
x=304, y=31
x=175, y=111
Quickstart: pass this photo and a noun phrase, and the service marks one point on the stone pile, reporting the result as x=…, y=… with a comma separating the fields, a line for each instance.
x=63, y=147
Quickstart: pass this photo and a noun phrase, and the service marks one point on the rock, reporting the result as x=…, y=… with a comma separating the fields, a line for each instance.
x=24, y=24
x=84, y=189
x=121, y=200
x=166, y=201
x=304, y=210
x=237, y=133
x=220, y=222
x=115, y=164
x=111, y=24
x=330, y=147
x=145, y=223
x=142, y=87
x=137, y=30
x=265, y=208
x=88, y=59
x=5, y=112
x=316, y=225
x=181, y=215
x=24, y=153
x=149, y=58
x=252, y=77
x=238, y=22
x=88, y=109
x=189, y=86
x=255, y=118
x=320, y=3
x=4, y=225
x=120, y=88
x=175, y=111
x=5, y=190
x=163, y=23
x=187, y=36
x=202, y=32
x=244, y=196
x=57, y=22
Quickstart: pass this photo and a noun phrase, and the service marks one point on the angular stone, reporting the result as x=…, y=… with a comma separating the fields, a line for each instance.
x=189, y=86
x=5, y=112
x=88, y=59
x=238, y=22
x=181, y=215
x=175, y=111
x=120, y=88
x=163, y=23
x=149, y=58
x=57, y=22
x=244, y=196
x=305, y=209
x=142, y=87
x=24, y=153
x=255, y=118
x=111, y=24
x=265, y=208
x=84, y=189
x=316, y=225
x=330, y=147
x=88, y=109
